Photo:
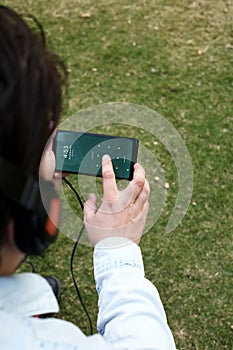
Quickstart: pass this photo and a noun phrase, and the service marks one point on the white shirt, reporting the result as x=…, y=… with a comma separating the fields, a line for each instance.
x=131, y=315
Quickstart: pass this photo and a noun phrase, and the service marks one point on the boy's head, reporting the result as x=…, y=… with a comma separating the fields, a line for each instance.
x=31, y=84
x=31, y=79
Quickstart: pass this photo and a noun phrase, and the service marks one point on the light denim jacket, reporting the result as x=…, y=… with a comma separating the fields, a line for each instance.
x=131, y=315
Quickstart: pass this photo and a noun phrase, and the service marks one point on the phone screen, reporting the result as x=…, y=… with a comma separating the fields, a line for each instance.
x=78, y=152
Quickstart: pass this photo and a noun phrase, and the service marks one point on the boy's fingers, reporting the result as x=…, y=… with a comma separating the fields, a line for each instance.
x=142, y=198
x=60, y=175
x=136, y=185
x=109, y=182
x=90, y=206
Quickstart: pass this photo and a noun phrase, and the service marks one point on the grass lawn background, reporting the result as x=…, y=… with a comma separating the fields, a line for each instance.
x=175, y=57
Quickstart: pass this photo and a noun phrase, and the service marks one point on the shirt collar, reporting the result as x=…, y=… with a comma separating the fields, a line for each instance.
x=27, y=294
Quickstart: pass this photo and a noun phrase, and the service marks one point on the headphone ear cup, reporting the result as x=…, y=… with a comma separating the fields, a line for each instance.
x=36, y=230
x=35, y=208
x=49, y=210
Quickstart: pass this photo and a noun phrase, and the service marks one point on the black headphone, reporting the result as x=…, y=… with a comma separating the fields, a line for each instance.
x=35, y=208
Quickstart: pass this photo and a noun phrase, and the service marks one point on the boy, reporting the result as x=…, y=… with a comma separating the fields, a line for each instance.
x=131, y=315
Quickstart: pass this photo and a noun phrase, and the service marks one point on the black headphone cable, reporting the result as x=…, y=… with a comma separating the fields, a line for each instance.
x=72, y=258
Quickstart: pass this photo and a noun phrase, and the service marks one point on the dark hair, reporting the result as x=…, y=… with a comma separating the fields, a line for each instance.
x=32, y=81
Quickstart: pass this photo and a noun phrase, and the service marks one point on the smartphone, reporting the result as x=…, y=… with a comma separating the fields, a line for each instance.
x=81, y=153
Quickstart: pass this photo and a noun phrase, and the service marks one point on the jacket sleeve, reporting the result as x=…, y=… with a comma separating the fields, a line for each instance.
x=131, y=315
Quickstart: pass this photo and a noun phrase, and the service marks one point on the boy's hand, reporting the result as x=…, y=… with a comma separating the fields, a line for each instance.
x=121, y=213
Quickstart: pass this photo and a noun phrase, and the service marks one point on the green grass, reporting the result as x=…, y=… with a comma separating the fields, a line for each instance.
x=175, y=57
